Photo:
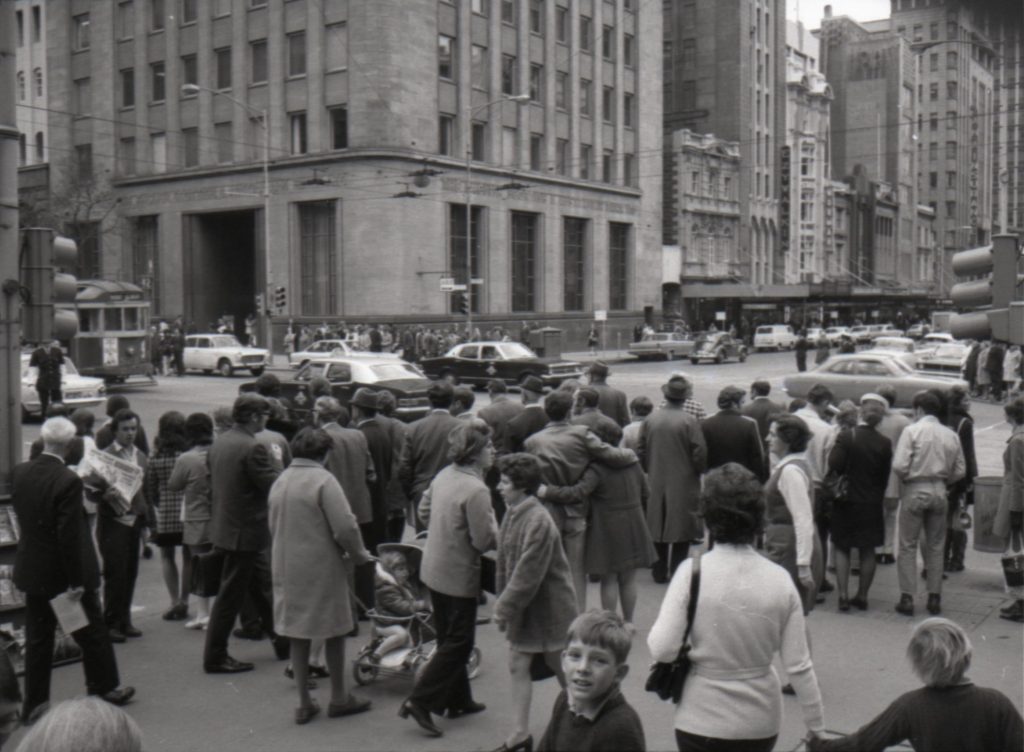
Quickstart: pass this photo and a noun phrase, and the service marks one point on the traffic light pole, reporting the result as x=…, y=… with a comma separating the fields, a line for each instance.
x=10, y=324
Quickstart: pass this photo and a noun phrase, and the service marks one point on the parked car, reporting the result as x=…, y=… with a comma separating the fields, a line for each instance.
x=813, y=333
x=347, y=374
x=479, y=362
x=948, y=358
x=835, y=333
x=861, y=333
x=931, y=342
x=320, y=350
x=718, y=347
x=667, y=345
x=900, y=347
x=852, y=376
x=77, y=390
x=223, y=353
x=774, y=336
x=885, y=330
x=918, y=330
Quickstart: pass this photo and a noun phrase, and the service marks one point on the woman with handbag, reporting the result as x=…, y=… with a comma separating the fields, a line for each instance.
x=1009, y=519
x=863, y=458
x=746, y=612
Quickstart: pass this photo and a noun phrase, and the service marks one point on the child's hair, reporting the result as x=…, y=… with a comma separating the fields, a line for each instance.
x=604, y=629
x=641, y=406
x=392, y=559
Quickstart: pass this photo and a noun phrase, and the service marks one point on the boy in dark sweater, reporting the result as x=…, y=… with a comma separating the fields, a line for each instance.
x=591, y=714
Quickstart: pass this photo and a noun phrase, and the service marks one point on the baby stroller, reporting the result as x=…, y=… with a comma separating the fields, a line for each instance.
x=413, y=656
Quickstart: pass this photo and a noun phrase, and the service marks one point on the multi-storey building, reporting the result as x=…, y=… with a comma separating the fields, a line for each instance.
x=30, y=81
x=806, y=170
x=332, y=149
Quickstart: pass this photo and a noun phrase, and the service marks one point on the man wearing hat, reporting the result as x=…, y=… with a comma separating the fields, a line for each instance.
x=611, y=401
x=425, y=450
x=690, y=405
x=531, y=419
x=674, y=454
x=731, y=436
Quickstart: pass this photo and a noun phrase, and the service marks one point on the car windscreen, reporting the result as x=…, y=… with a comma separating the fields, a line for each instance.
x=224, y=341
x=514, y=350
x=765, y=330
x=386, y=371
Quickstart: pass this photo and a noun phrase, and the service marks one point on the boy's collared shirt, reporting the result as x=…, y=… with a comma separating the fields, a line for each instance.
x=615, y=692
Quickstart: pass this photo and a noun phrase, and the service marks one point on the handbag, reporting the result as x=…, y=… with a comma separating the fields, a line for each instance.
x=666, y=679
x=206, y=573
x=835, y=487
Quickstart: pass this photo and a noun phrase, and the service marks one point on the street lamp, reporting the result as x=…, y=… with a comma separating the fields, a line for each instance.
x=519, y=99
x=254, y=113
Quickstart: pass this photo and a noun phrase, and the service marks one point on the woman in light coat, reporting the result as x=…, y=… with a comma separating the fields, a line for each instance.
x=316, y=543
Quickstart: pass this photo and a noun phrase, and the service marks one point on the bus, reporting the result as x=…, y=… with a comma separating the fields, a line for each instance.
x=113, y=324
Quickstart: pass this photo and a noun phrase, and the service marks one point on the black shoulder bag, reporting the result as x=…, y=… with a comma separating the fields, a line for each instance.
x=666, y=679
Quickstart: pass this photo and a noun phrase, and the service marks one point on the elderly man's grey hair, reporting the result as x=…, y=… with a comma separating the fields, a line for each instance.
x=58, y=432
x=87, y=724
x=328, y=408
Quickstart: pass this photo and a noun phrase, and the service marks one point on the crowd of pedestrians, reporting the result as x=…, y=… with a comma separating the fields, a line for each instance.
x=579, y=482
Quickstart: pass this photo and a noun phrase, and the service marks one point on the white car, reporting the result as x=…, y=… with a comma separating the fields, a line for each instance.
x=319, y=351
x=835, y=333
x=899, y=347
x=774, y=337
x=223, y=353
x=77, y=390
x=929, y=343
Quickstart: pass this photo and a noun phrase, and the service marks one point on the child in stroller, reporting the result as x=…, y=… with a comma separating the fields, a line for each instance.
x=396, y=596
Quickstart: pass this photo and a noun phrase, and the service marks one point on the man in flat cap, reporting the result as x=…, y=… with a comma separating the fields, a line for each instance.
x=531, y=419
x=610, y=401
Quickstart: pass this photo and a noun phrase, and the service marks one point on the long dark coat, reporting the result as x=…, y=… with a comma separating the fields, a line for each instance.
x=674, y=454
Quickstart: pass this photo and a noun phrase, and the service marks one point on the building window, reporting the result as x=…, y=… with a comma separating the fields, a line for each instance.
x=608, y=104
x=157, y=15
x=933, y=180
x=586, y=34
x=933, y=151
x=951, y=150
x=933, y=62
x=607, y=166
x=586, y=98
x=317, y=256
x=337, y=46
x=21, y=42
x=480, y=7
x=688, y=53
x=127, y=154
x=225, y=147
x=158, y=147
x=574, y=234
x=536, y=151
x=125, y=20
x=257, y=3
x=37, y=78
x=81, y=31
x=537, y=16
x=951, y=90
x=688, y=95
x=297, y=54
x=562, y=90
x=190, y=139
x=189, y=70
x=933, y=122
x=933, y=92
x=189, y=11
x=618, y=268
x=21, y=86
x=562, y=24
x=524, y=260
x=221, y=8
x=508, y=147
x=627, y=110
x=83, y=163
x=608, y=43
x=22, y=149
x=40, y=146
x=478, y=66
x=128, y=87
x=536, y=82
x=37, y=23
x=508, y=12
x=339, y=127
x=157, y=82
x=951, y=209
x=628, y=43
x=258, y=64
x=562, y=155
x=446, y=135
x=457, y=250
x=83, y=97
x=446, y=56
x=478, y=139
x=145, y=256
x=934, y=31
x=586, y=157
x=297, y=123
x=951, y=120
x=508, y=74
x=950, y=179
x=628, y=169
x=223, y=68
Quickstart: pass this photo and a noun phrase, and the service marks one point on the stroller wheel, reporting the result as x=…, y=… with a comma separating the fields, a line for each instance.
x=364, y=672
x=473, y=664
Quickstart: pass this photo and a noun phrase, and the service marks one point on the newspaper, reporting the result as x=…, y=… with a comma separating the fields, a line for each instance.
x=124, y=477
x=69, y=612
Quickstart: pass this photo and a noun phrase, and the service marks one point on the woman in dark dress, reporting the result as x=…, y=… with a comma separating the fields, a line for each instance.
x=864, y=456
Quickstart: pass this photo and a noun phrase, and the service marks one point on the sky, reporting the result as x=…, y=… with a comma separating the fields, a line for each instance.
x=812, y=11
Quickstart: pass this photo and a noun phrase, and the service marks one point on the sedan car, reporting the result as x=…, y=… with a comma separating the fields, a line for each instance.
x=667, y=345
x=948, y=359
x=718, y=347
x=321, y=350
x=916, y=331
x=862, y=333
x=931, y=342
x=899, y=347
x=77, y=390
x=835, y=333
x=479, y=362
x=223, y=353
x=852, y=376
x=347, y=374
x=885, y=330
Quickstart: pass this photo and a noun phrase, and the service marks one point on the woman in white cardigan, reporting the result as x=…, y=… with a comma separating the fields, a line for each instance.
x=747, y=611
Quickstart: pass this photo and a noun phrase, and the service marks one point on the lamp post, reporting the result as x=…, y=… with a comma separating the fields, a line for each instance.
x=262, y=116
x=519, y=99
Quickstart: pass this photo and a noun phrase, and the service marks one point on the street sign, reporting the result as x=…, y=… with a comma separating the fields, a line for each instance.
x=719, y=315
x=447, y=284
x=477, y=281
x=458, y=288
x=600, y=315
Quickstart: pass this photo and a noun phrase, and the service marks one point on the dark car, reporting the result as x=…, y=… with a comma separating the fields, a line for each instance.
x=479, y=362
x=718, y=347
x=346, y=375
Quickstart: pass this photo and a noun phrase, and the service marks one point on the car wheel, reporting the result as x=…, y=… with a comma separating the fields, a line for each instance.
x=207, y=371
x=364, y=673
x=780, y=348
x=720, y=358
x=256, y=371
x=695, y=361
x=450, y=377
x=670, y=355
x=224, y=367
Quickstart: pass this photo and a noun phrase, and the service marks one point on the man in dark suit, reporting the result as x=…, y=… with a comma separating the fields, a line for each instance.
x=349, y=459
x=241, y=474
x=425, y=451
x=56, y=554
x=530, y=420
x=611, y=401
x=731, y=436
x=588, y=413
x=761, y=408
x=497, y=415
x=48, y=362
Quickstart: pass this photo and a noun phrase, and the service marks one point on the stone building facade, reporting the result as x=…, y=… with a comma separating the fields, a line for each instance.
x=30, y=82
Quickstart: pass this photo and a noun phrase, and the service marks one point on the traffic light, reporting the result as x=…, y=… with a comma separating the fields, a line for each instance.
x=997, y=299
x=280, y=297
x=259, y=304
x=44, y=317
x=463, y=303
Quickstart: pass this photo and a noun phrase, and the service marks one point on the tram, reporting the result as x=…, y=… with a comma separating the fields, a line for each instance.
x=113, y=324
